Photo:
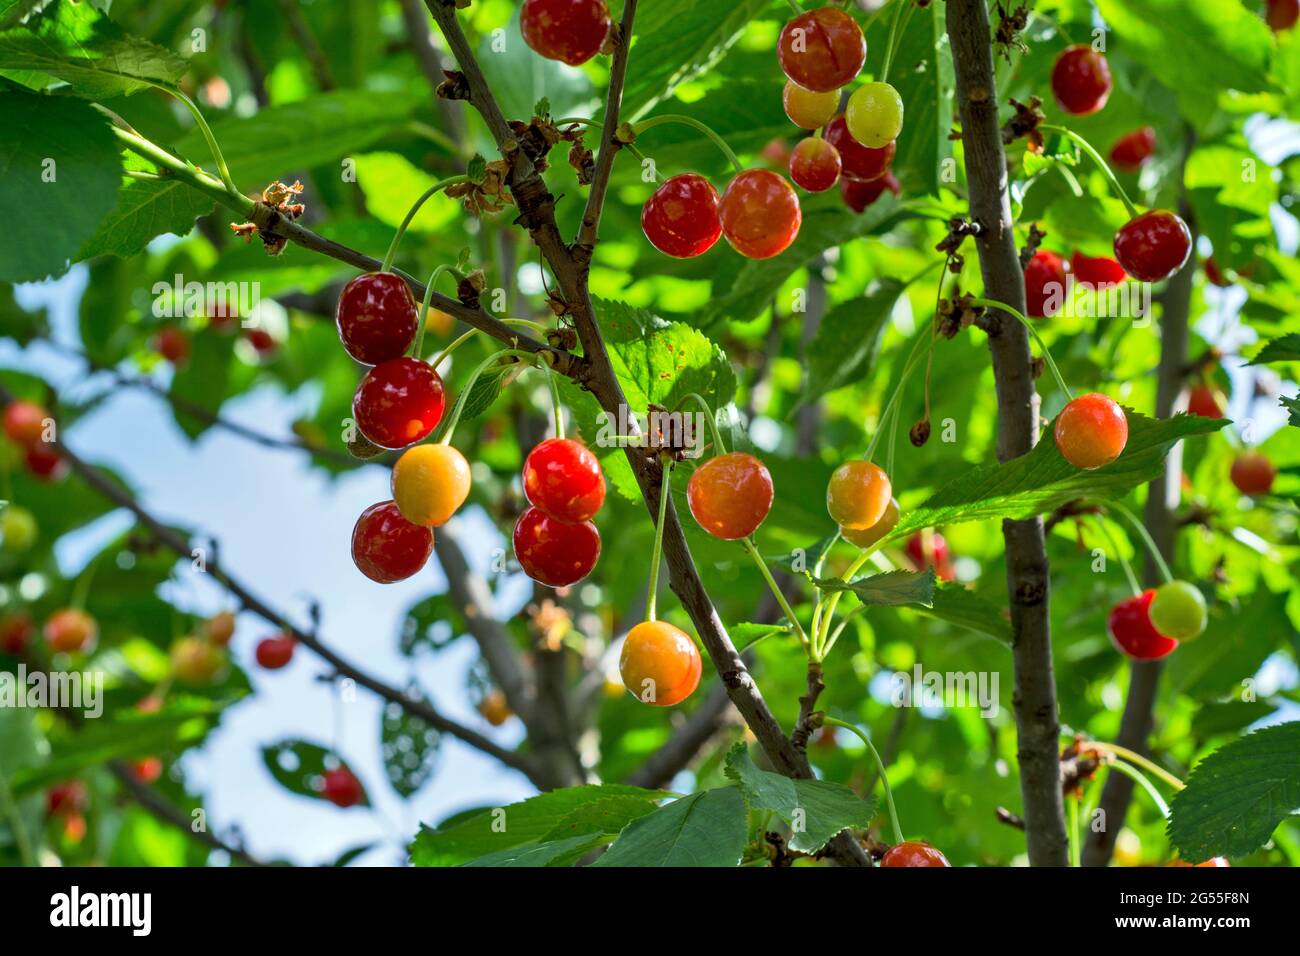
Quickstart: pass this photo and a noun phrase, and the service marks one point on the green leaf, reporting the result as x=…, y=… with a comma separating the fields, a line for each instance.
x=61, y=176
x=408, y=745
x=433, y=623
x=146, y=210
x=297, y=765
x=704, y=829
x=1237, y=796
x=1233, y=646
x=1284, y=349
x=891, y=588
x=1043, y=480
x=844, y=349
x=477, y=834
x=959, y=605
x=16, y=322
x=816, y=810
x=1292, y=405
x=551, y=853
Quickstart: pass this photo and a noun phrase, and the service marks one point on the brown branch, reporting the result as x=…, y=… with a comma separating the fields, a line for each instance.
x=1037, y=723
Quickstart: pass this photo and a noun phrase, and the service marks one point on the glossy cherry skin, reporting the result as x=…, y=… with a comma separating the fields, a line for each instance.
x=1253, y=473
x=1282, y=15
x=1153, y=246
x=1045, y=284
x=869, y=537
x=1100, y=272
x=196, y=661
x=16, y=630
x=494, y=708
x=1131, y=630
x=1205, y=401
x=386, y=547
x=660, y=664
x=25, y=422
x=1132, y=150
x=760, y=214
x=1091, y=431
x=1081, y=80
x=430, y=483
x=555, y=553
x=377, y=317
x=220, y=628
x=730, y=495
x=681, y=218
x=562, y=479
x=44, y=461
x=275, y=652
x=858, y=195
x=937, y=555
x=1178, y=610
x=399, y=402
x=571, y=31
x=815, y=165
x=874, y=114
x=172, y=344
x=858, y=495
x=822, y=49
x=71, y=630
x=914, y=853
x=859, y=162
x=341, y=787
x=808, y=109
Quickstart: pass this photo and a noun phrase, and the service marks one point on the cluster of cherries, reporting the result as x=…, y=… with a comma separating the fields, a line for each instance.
x=173, y=343
x=26, y=424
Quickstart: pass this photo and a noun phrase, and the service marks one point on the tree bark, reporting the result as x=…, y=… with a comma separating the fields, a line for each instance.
x=1037, y=725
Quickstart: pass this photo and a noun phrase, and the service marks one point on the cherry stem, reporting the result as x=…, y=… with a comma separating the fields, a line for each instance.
x=795, y=7
x=191, y=176
x=718, y=141
x=893, y=35
x=1136, y=758
x=828, y=617
x=555, y=401
x=206, y=130
x=1123, y=561
x=461, y=340
x=1029, y=327
x=422, y=321
x=1156, y=557
x=429, y=193
x=777, y=593
x=16, y=823
x=817, y=572
x=1075, y=859
x=880, y=766
x=656, y=553
x=469, y=386
x=913, y=360
x=839, y=628
x=1139, y=778
x=1087, y=147
x=718, y=447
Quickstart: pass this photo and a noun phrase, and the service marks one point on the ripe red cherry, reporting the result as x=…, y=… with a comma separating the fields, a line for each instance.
x=858, y=195
x=377, y=317
x=399, y=402
x=1132, y=150
x=1133, y=633
x=555, y=553
x=25, y=422
x=147, y=769
x=1282, y=15
x=1253, y=473
x=562, y=479
x=571, y=31
x=71, y=630
x=858, y=161
x=16, y=630
x=1100, y=272
x=172, y=344
x=386, y=547
x=815, y=165
x=1091, y=431
x=822, y=49
x=44, y=461
x=730, y=495
x=938, y=556
x=341, y=787
x=1045, y=284
x=914, y=853
x=1205, y=401
x=262, y=341
x=1153, y=246
x=1081, y=80
x=760, y=214
x=275, y=652
x=681, y=218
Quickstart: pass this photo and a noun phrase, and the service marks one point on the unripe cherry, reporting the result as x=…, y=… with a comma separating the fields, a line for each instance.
x=377, y=317
x=808, y=109
x=874, y=115
x=858, y=495
x=815, y=165
x=430, y=482
x=760, y=214
x=660, y=664
x=1081, y=80
x=730, y=495
x=1154, y=245
x=196, y=661
x=386, y=547
x=563, y=479
x=681, y=217
x=1252, y=473
x=1091, y=431
x=1178, y=610
x=822, y=49
x=220, y=628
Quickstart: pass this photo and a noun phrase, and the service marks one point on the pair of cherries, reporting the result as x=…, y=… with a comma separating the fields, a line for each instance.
x=555, y=540
x=758, y=212
x=25, y=424
x=1046, y=274
x=1149, y=626
x=1150, y=247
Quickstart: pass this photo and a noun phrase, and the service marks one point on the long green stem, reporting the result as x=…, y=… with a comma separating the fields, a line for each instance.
x=1075, y=859
x=21, y=837
x=183, y=171
x=777, y=593
x=556, y=404
x=459, y=341
x=880, y=765
x=206, y=130
x=1101, y=164
x=819, y=640
x=1147, y=542
x=893, y=36
x=1136, y=758
x=1029, y=327
x=469, y=385
x=423, y=319
x=1123, y=561
x=1140, y=779
x=839, y=628
x=656, y=553
x=647, y=125
x=428, y=194
x=718, y=447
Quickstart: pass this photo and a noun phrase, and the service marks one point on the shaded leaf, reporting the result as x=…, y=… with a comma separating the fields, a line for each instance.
x=704, y=829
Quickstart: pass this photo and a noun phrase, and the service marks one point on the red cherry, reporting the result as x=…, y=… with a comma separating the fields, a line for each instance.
x=386, y=547
x=822, y=49
x=71, y=630
x=571, y=31
x=730, y=495
x=1282, y=15
x=262, y=341
x=1253, y=473
x=760, y=214
x=1205, y=401
x=1153, y=246
x=25, y=422
x=815, y=165
x=1133, y=633
x=275, y=652
x=939, y=557
x=70, y=796
x=555, y=553
x=16, y=630
x=1081, y=80
x=1100, y=272
x=1215, y=274
x=223, y=315
x=147, y=769
x=172, y=344
x=1044, y=284
x=377, y=317
x=1132, y=150
x=562, y=479
x=1091, y=431
x=341, y=787
x=858, y=195
x=914, y=853
x=858, y=161
x=399, y=402
x=681, y=218
x=44, y=461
